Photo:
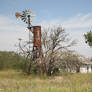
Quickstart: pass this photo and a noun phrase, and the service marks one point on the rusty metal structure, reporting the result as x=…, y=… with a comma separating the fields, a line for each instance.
x=37, y=45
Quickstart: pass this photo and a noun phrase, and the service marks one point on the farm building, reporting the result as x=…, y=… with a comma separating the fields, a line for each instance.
x=86, y=66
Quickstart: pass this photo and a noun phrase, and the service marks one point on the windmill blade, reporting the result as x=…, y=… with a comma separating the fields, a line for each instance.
x=26, y=16
x=27, y=13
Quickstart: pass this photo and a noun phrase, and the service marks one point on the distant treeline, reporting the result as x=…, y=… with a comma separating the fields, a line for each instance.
x=11, y=60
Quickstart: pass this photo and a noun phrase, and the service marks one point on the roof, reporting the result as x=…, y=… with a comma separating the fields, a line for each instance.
x=84, y=60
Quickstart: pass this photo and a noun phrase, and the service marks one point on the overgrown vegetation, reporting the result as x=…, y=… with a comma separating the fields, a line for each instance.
x=11, y=60
x=67, y=61
x=12, y=81
x=56, y=56
x=54, y=41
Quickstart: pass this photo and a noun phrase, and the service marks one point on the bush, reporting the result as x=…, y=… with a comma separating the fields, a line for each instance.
x=11, y=60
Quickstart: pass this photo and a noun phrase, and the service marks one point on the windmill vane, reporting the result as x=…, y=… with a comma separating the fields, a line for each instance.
x=25, y=16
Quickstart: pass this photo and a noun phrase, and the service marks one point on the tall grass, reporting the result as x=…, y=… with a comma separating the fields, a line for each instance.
x=13, y=81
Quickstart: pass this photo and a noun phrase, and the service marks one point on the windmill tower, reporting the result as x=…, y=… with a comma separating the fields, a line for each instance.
x=27, y=17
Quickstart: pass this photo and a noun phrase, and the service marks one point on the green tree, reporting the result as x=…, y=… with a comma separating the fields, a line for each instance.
x=88, y=38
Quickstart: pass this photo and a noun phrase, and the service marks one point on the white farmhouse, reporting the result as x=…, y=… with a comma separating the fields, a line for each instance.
x=86, y=66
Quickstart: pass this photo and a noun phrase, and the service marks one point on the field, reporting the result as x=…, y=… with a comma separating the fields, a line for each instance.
x=14, y=81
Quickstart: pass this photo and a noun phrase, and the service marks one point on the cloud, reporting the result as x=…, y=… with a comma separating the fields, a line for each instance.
x=10, y=31
x=77, y=21
x=8, y=24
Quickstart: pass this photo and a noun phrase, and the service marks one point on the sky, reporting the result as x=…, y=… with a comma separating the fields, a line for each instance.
x=75, y=16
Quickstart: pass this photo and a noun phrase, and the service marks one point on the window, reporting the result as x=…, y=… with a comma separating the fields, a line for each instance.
x=87, y=68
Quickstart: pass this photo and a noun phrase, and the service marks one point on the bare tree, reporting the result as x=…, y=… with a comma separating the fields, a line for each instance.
x=70, y=61
x=54, y=40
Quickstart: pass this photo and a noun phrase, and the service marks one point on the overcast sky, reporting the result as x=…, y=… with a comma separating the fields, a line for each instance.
x=75, y=16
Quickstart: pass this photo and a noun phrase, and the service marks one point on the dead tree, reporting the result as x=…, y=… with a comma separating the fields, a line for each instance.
x=54, y=41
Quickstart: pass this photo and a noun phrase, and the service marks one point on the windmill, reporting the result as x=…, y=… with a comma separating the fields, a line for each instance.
x=27, y=17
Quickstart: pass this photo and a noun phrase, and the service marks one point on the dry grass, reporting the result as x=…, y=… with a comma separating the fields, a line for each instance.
x=13, y=81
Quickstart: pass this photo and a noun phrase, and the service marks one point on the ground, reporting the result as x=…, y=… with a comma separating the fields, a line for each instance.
x=16, y=81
